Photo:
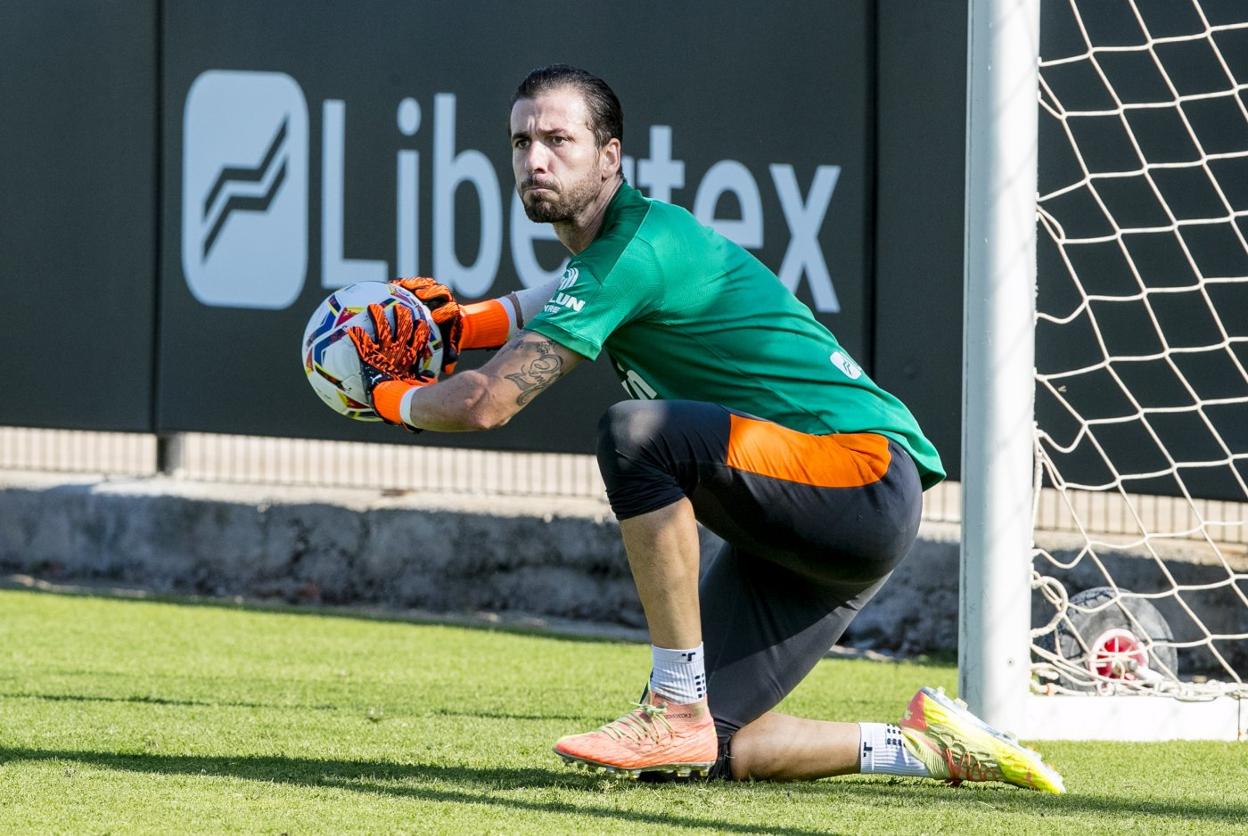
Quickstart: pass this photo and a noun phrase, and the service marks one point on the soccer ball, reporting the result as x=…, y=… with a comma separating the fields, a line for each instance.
x=329, y=358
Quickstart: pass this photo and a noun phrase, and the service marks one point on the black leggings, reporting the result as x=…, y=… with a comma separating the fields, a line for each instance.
x=813, y=526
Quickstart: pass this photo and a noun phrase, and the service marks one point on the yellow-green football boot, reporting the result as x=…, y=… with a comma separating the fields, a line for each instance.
x=957, y=746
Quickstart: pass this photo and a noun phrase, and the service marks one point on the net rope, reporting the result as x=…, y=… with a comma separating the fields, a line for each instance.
x=1142, y=347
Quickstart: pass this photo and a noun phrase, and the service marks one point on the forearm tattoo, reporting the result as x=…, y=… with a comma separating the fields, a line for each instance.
x=538, y=373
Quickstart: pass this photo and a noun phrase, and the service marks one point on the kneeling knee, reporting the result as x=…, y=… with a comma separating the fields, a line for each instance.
x=627, y=427
x=638, y=466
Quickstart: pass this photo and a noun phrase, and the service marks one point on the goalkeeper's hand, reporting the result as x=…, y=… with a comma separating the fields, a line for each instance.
x=447, y=315
x=390, y=361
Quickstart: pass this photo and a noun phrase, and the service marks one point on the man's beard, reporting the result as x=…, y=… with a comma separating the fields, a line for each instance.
x=563, y=205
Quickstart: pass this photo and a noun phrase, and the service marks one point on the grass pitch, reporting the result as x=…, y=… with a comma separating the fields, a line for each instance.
x=137, y=716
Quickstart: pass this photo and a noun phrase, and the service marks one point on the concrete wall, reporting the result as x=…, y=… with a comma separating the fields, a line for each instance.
x=556, y=559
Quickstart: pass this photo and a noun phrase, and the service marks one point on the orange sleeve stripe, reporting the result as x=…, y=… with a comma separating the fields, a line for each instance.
x=388, y=397
x=485, y=325
x=840, y=460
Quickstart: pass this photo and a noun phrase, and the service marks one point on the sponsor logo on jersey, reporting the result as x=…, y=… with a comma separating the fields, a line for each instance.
x=245, y=189
x=634, y=384
x=570, y=302
x=851, y=369
x=569, y=278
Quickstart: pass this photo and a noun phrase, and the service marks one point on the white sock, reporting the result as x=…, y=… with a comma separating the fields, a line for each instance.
x=883, y=750
x=678, y=675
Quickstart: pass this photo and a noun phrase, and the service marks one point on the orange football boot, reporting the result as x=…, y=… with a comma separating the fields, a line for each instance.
x=656, y=736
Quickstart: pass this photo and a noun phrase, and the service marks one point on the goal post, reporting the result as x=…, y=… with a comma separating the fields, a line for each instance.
x=998, y=357
x=1108, y=385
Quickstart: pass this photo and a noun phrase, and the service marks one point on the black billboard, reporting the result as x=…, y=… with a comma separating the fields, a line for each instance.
x=305, y=148
x=78, y=190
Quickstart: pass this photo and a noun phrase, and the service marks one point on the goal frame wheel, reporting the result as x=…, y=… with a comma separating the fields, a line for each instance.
x=1097, y=617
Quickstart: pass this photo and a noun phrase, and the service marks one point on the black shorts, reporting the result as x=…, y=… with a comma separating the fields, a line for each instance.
x=813, y=525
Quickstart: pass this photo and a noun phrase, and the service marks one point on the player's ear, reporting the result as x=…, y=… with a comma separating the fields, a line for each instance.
x=609, y=158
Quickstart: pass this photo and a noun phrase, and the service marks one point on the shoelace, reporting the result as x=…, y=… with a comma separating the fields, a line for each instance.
x=638, y=725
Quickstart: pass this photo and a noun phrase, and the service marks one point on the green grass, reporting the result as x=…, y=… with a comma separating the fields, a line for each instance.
x=139, y=716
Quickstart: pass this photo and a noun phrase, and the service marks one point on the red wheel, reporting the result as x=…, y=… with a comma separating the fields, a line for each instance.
x=1116, y=654
x=1108, y=635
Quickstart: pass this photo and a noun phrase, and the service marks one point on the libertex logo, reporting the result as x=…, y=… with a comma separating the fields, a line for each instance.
x=245, y=189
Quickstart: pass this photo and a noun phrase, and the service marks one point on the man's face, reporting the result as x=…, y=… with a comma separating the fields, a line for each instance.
x=558, y=167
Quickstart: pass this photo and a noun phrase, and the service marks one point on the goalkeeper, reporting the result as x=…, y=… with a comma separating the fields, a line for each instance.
x=749, y=417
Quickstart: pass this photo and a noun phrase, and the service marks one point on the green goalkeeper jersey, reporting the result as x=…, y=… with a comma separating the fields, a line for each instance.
x=684, y=313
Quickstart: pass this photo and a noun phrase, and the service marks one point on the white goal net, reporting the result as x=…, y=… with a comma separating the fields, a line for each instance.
x=1142, y=350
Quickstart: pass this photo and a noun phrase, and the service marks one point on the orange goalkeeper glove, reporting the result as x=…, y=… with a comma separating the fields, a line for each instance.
x=389, y=362
x=479, y=325
x=447, y=315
